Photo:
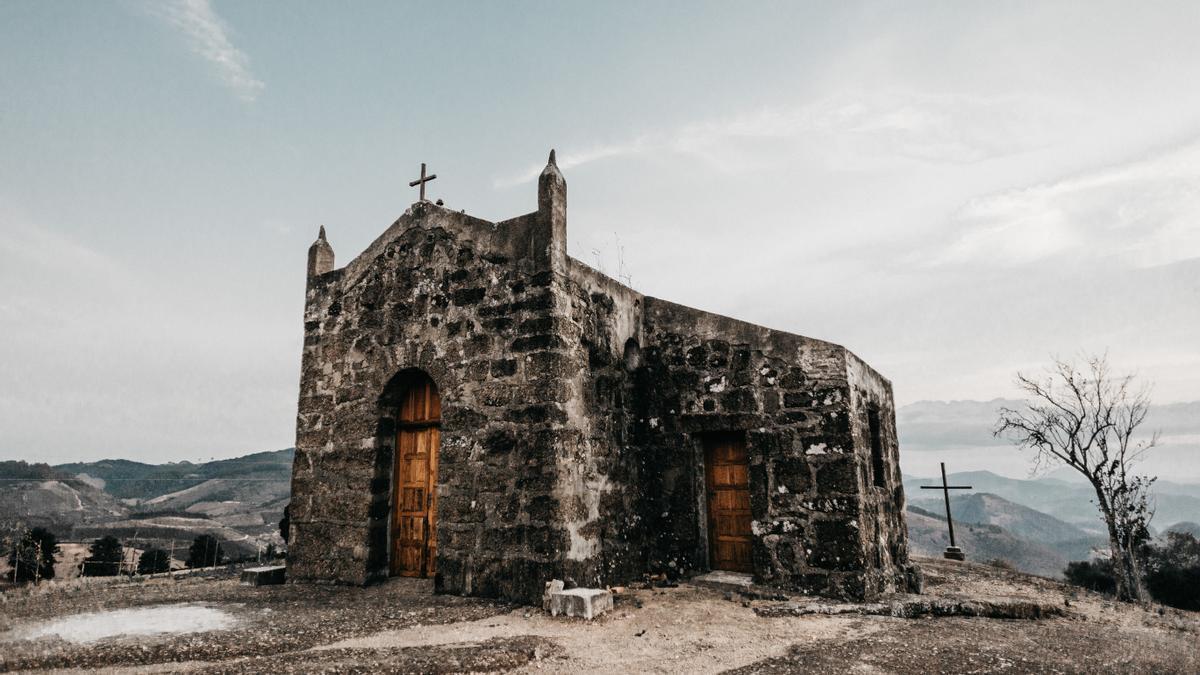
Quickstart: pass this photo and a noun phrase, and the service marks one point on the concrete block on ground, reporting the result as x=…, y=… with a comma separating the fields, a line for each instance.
x=587, y=603
x=264, y=576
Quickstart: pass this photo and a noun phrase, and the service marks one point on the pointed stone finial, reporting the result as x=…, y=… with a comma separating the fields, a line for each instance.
x=552, y=212
x=320, y=255
x=552, y=168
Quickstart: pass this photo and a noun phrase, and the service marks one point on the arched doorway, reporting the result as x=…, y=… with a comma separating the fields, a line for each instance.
x=414, y=478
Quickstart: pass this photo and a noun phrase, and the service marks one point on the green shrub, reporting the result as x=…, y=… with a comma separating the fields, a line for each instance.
x=1094, y=575
x=1173, y=571
x=153, y=561
x=106, y=555
x=205, y=552
x=24, y=563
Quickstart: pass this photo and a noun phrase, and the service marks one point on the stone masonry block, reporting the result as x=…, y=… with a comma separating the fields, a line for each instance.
x=587, y=603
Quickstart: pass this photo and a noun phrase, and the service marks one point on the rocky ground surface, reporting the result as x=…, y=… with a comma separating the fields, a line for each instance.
x=402, y=627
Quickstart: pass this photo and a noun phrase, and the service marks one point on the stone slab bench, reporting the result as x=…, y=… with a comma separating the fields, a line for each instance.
x=264, y=576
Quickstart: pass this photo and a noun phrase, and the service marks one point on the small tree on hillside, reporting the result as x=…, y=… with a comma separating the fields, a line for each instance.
x=1086, y=418
x=205, y=552
x=33, y=556
x=106, y=555
x=1173, y=571
x=153, y=561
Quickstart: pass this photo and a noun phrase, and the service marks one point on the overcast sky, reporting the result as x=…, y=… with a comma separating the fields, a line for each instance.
x=954, y=191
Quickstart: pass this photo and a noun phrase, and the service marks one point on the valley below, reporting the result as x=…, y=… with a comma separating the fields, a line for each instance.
x=238, y=501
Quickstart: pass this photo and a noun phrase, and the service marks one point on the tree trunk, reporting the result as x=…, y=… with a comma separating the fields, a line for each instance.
x=1129, y=583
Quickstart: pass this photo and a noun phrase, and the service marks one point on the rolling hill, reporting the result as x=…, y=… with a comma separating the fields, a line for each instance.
x=928, y=536
x=1068, y=501
x=1046, y=538
x=142, y=482
x=989, y=509
x=239, y=501
x=37, y=495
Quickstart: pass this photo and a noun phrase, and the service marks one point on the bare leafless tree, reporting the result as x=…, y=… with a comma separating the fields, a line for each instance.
x=1083, y=416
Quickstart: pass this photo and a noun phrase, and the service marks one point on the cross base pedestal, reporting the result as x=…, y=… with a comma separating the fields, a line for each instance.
x=954, y=553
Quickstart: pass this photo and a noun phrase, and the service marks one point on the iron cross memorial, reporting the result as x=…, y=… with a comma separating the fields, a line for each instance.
x=953, y=552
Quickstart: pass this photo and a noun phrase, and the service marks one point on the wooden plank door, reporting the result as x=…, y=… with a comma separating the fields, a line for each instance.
x=728, y=479
x=414, y=514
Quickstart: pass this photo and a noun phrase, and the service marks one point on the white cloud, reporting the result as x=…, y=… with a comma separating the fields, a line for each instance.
x=848, y=130
x=1143, y=212
x=208, y=37
x=885, y=124
x=571, y=160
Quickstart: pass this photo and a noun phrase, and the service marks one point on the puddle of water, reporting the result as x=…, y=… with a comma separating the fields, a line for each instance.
x=160, y=620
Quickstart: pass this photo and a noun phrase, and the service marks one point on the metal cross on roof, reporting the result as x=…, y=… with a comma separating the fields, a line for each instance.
x=422, y=181
x=952, y=552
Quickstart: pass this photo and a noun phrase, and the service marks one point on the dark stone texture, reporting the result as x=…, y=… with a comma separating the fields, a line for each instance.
x=574, y=416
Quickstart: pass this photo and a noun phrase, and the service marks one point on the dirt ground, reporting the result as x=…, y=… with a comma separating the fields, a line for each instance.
x=402, y=627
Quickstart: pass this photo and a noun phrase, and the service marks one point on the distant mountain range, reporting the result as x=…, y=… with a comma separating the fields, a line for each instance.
x=928, y=535
x=38, y=495
x=240, y=501
x=1067, y=501
x=1038, y=525
x=960, y=434
x=989, y=527
x=124, y=479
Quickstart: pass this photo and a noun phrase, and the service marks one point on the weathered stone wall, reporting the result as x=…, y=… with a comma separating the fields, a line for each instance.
x=476, y=311
x=604, y=485
x=882, y=529
x=792, y=398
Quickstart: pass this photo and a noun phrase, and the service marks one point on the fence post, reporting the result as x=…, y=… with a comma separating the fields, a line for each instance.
x=37, y=564
x=133, y=567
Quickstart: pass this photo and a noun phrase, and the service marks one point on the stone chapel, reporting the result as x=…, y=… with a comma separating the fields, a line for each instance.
x=478, y=407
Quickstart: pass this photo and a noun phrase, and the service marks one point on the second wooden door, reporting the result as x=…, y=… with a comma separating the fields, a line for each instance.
x=728, y=480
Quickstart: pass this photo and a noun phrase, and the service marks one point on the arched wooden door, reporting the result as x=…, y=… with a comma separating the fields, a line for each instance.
x=414, y=484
